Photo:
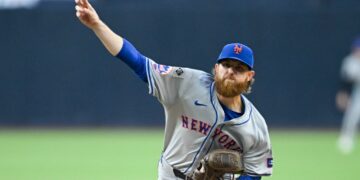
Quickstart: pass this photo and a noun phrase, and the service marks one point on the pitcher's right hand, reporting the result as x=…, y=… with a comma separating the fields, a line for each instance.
x=86, y=13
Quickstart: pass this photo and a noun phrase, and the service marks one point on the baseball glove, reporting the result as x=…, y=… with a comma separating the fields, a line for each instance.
x=218, y=163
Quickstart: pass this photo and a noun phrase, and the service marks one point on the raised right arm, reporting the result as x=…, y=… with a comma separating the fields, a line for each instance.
x=116, y=45
x=88, y=16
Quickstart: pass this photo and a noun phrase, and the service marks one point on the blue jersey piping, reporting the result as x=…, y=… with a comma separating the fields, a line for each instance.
x=216, y=119
x=212, y=141
x=238, y=124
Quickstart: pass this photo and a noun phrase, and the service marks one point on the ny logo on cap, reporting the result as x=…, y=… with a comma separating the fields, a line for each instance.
x=237, y=49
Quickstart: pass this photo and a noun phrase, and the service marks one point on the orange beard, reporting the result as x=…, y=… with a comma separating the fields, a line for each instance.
x=229, y=88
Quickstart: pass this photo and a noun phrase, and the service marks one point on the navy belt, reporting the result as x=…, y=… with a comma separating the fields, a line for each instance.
x=181, y=175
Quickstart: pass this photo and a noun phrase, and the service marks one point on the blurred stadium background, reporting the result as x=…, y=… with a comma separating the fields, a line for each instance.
x=69, y=110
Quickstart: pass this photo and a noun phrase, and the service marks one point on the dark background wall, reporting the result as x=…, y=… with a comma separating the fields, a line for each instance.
x=54, y=71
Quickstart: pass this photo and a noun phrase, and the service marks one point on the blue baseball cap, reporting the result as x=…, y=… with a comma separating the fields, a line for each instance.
x=237, y=51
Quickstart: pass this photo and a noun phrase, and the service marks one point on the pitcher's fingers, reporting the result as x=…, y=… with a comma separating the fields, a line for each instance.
x=80, y=2
x=80, y=9
x=89, y=6
x=86, y=2
x=77, y=8
x=86, y=11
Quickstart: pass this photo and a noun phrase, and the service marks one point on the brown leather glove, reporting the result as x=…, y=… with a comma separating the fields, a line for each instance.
x=217, y=163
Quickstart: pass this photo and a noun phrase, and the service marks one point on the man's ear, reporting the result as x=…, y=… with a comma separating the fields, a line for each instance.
x=251, y=75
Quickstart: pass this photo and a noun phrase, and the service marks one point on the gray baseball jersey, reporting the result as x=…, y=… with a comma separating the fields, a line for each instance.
x=195, y=121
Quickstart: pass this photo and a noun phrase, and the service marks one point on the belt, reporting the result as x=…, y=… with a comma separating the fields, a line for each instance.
x=181, y=175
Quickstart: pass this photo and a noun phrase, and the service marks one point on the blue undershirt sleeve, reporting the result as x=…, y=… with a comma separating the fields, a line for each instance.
x=134, y=59
x=244, y=177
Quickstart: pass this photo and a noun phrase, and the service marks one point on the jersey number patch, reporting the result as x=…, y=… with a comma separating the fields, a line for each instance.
x=162, y=69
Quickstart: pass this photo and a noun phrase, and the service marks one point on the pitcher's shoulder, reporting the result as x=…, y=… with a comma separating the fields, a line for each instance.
x=193, y=75
x=255, y=112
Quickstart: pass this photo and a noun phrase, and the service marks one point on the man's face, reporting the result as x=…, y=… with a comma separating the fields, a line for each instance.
x=232, y=77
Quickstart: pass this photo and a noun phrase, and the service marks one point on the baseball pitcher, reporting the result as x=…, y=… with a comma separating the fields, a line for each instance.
x=212, y=131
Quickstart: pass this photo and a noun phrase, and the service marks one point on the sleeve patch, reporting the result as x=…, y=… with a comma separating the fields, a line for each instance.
x=269, y=162
x=162, y=69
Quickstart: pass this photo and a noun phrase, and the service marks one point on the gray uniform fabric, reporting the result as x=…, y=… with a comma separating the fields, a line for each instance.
x=195, y=121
